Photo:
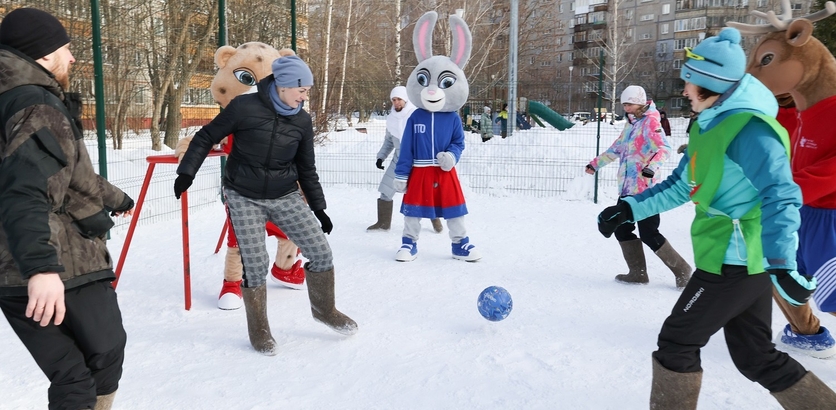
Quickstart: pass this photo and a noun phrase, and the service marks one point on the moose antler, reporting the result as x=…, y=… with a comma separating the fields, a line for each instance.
x=781, y=23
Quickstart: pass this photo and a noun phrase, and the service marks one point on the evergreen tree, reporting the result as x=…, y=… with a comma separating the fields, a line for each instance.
x=825, y=30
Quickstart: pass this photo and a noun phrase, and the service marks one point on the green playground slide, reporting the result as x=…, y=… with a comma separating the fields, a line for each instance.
x=539, y=111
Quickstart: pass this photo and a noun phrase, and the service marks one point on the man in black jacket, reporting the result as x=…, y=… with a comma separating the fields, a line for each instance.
x=55, y=270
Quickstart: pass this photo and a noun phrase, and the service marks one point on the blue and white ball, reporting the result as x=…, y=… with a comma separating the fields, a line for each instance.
x=495, y=303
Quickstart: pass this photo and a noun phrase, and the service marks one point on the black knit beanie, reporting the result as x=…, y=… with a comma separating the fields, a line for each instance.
x=33, y=32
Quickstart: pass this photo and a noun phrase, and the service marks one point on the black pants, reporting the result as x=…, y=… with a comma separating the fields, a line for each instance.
x=83, y=356
x=740, y=304
x=648, y=232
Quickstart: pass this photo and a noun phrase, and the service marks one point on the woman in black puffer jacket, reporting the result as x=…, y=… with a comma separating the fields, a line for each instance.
x=273, y=156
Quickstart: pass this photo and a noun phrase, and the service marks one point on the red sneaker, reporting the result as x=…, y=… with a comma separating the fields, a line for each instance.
x=231, y=297
x=293, y=278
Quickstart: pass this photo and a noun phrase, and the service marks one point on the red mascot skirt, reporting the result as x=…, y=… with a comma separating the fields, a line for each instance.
x=433, y=193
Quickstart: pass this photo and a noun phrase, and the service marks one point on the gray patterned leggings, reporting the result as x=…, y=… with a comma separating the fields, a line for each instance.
x=292, y=215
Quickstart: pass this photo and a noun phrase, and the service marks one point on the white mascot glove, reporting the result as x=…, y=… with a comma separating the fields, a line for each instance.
x=446, y=160
x=400, y=185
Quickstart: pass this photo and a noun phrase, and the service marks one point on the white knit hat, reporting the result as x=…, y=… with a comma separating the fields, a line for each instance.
x=400, y=92
x=634, y=95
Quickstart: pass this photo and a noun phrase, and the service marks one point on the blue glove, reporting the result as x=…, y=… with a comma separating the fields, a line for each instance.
x=446, y=161
x=400, y=185
x=611, y=217
x=794, y=287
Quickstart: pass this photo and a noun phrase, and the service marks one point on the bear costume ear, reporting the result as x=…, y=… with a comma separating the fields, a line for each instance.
x=223, y=54
x=286, y=52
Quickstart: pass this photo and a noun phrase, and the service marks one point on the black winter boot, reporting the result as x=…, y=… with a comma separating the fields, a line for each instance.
x=258, y=327
x=384, y=216
x=807, y=394
x=634, y=256
x=680, y=268
x=672, y=390
x=321, y=293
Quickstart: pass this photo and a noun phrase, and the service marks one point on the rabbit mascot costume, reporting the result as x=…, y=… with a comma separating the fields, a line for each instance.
x=239, y=70
x=433, y=141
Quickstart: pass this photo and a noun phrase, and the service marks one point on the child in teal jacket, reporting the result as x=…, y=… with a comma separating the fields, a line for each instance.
x=736, y=171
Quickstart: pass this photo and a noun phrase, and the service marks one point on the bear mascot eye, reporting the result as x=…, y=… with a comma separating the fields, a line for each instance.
x=245, y=77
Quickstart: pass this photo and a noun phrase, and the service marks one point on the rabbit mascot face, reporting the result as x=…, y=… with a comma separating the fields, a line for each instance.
x=438, y=83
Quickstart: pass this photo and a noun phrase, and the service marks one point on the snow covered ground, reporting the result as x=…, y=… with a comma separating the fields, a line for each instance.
x=575, y=339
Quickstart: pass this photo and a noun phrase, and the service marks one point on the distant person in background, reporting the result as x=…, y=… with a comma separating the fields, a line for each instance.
x=641, y=150
x=502, y=119
x=485, y=124
x=666, y=125
x=692, y=116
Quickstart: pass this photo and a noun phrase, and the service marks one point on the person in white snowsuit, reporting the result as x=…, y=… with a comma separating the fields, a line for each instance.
x=395, y=123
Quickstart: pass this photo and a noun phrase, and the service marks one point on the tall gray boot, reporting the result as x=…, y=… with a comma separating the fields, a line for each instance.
x=807, y=394
x=104, y=402
x=674, y=391
x=634, y=256
x=437, y=226
x=321, y=293
x=384, y=216
x=680, y=268
x=258, y=327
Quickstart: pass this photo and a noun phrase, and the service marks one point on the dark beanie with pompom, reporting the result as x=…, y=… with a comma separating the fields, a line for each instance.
x=33, y=32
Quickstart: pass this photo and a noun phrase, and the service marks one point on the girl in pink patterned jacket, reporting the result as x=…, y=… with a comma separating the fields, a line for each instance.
x=641, y=149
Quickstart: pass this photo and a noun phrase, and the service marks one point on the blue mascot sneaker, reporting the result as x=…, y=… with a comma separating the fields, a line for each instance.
x=820, y=345
x=466, y=251
x=408, y=251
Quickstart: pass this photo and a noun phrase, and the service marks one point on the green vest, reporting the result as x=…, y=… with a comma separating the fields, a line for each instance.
x=712, y=230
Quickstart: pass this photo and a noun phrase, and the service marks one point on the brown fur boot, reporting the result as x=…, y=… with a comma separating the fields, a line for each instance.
x=437, y=226
x=634, y=256
x=321, y=293
x=104, y=402
x=674, y=391
x=384, y=216
x=258, y=327
x=807, y=394
x=681, y=270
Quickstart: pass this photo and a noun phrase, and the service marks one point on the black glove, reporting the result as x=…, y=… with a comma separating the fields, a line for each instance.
x=327, y=226
x=648, y=173
x=181, y=184
x=590, y=167
x=126, y=205
x=379, y=163
x=794, y=287
x=611, y=217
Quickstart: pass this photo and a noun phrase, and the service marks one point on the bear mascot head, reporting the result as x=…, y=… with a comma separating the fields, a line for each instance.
x=239, y=70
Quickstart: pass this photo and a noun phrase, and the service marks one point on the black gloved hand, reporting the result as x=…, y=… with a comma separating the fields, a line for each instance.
x=379, y=163
x=181, y=184
x=794, y=287
x=611, y=217
x=648, y=173
x=327, y=226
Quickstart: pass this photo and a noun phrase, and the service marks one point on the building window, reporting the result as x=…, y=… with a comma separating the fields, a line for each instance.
x=647, y=17
x=666, y=9
x=664, y=28
x=677, y=64
x=628, y=14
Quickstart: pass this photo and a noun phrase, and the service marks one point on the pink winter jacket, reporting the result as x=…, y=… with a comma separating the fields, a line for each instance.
x=641, y=144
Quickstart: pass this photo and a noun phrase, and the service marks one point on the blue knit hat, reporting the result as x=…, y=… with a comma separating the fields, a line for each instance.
x=291, y=72
x=719, y=63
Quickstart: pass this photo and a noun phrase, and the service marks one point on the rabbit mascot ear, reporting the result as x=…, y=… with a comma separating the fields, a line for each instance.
x=438, y=83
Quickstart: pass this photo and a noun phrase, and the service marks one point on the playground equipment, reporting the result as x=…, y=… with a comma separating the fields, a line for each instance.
x=540, y=112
